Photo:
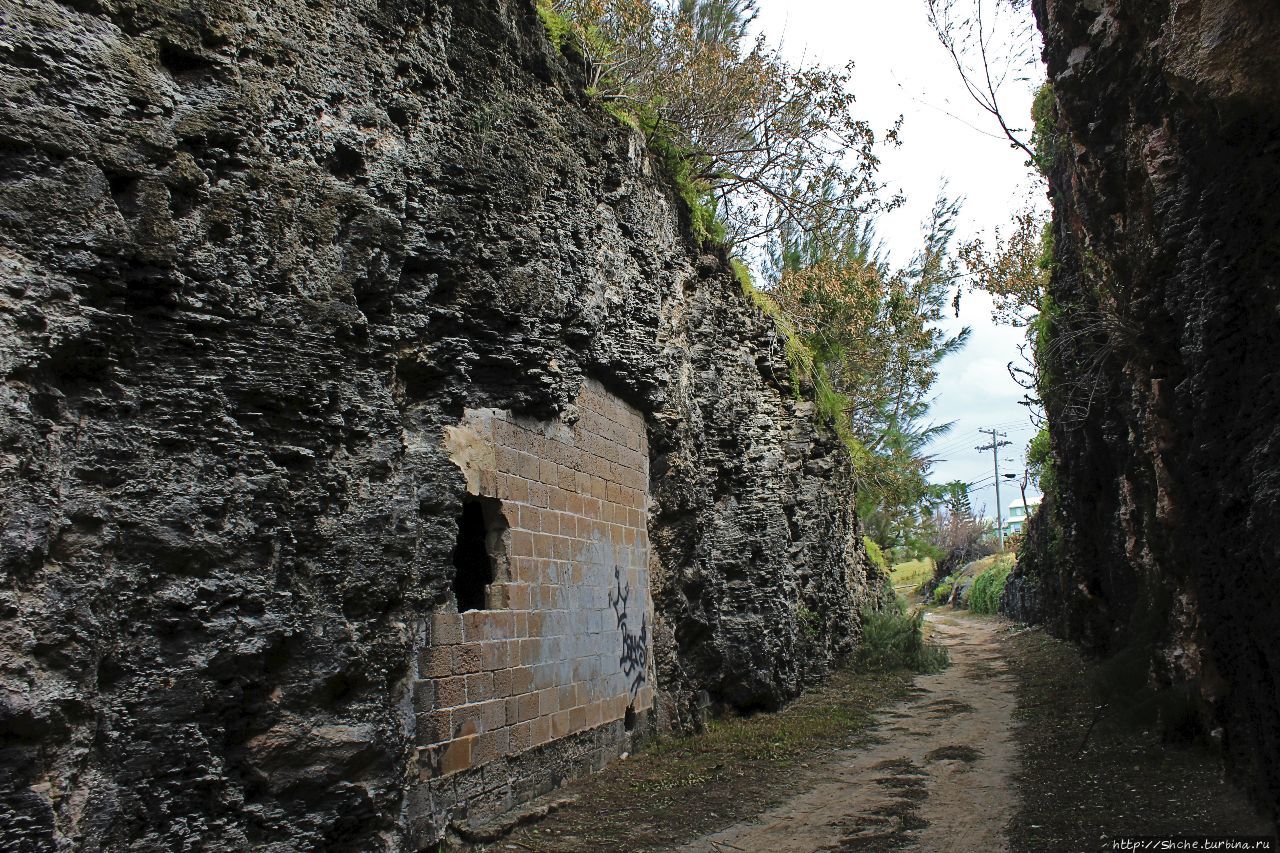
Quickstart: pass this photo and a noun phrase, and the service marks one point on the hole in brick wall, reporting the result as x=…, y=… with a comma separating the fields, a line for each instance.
x=629, y=718
x=478, y=552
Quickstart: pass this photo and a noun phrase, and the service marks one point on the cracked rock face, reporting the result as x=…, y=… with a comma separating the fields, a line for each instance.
x=256, y=258
x=1164, y=534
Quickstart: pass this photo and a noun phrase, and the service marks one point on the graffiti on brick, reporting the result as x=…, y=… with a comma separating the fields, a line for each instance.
x=635, y=647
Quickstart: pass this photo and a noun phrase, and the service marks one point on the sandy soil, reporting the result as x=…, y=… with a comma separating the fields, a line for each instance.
x=940, y=776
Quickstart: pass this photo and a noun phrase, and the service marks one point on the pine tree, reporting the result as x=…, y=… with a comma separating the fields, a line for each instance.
x=719, y=21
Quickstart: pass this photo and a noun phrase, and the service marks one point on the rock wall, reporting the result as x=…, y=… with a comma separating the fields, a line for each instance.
x=258, y=262
x=1162, y=392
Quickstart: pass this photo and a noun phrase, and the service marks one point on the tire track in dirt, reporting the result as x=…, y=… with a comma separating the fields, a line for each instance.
x=938, y=776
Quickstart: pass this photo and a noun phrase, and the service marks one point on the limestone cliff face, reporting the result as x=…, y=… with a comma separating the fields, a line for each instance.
x=257, y=259
x=1163, y=536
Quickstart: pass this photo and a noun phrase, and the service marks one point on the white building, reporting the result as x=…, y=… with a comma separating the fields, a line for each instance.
x=1019, y=512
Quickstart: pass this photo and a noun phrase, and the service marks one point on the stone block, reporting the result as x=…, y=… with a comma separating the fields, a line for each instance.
x=466, y=722
x=548, y=701
x=517, y=489
x=436, y=662
x=520, y=544
x=475, y=626
x=577, y=719
x=502, y=683
x=451, y=691
x=485, y=749
x=497, y=597
x=508, y=459
x=521, y=737
x=457, y=756
x=569, y=526
x=529, y=467
x=527, y=707
x=466, y=659
x=560, y=725
x=479, y=687
x=424, y=694
x=446, y=628
x=494, y=655
x=541, y=730
x=434, y=727
x=521, y=679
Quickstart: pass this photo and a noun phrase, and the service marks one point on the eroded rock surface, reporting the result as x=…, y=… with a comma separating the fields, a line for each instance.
x=256, y=258
x=1163, y=537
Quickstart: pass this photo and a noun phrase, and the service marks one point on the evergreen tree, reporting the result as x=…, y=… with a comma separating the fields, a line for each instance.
x=723, y=22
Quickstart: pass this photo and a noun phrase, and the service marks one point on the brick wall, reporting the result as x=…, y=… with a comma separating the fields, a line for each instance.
x=563, y=646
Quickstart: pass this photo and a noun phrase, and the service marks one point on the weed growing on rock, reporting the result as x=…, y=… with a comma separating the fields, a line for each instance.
x=810, y=622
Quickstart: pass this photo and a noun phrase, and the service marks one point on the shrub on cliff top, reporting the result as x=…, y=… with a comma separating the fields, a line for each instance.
x=761, y=137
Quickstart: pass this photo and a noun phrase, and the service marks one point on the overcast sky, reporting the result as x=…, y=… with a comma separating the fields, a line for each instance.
x=901, y=69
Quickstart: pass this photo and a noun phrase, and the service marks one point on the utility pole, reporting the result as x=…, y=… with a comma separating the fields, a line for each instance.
x=994, y=447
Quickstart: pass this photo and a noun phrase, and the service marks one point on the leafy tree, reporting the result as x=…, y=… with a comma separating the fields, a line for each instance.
x=765, y=151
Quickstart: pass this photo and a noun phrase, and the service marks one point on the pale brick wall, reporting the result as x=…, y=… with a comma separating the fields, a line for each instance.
x=564, y=645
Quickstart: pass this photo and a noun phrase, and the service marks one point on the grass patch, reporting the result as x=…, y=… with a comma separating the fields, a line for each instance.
x=893, y=638
x=681, y=168
x=830, y=406
x=911, y=575
x=799, y=357
x=875, y=554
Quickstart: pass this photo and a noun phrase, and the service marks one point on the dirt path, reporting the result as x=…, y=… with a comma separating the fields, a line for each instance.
x=1003, y=751
x=940, y=776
